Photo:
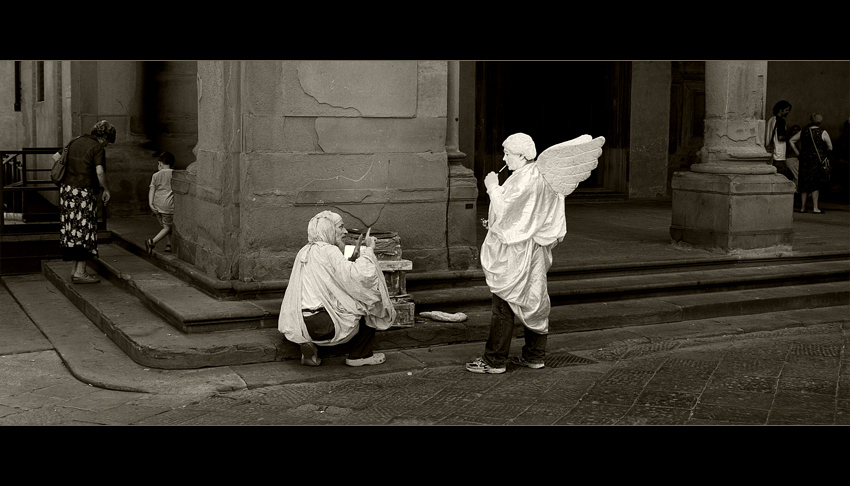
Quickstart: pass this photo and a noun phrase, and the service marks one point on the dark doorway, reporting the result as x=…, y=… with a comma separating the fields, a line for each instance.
x=554, y=102
x=170, y=108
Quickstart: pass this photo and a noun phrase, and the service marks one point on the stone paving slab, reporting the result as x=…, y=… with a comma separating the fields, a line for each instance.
x=448, y=395
x=18, y=333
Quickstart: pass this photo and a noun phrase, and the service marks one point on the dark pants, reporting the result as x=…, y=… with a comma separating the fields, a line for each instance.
x=320, y=326
x=501, y=331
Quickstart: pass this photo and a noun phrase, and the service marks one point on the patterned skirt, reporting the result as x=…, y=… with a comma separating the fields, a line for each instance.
x=78, y=223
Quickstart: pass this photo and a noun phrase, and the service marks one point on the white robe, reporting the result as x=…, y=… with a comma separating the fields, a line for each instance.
x=526, y=221
x=347, y=290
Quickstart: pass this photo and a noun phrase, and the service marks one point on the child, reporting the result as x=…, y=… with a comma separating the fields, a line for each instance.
x=161, y=201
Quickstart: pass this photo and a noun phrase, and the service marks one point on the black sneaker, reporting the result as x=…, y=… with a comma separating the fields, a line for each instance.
x=520, y=361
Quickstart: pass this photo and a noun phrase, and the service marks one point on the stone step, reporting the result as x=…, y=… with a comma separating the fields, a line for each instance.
x=152, y=340
x=470, y=278
x=22, y=253
x=675, y=280
x=184, y=306
x=191, y=310
x=442, y=290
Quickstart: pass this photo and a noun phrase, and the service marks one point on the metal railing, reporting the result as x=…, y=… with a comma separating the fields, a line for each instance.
x=19, y=185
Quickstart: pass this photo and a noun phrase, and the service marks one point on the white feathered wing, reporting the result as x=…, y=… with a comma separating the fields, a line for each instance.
x=566, y=164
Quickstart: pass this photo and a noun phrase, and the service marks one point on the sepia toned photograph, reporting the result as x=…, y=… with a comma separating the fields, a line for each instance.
x=410, y=243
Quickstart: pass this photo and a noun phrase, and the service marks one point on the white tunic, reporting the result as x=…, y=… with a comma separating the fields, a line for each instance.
x=526, y=221
x=347, y=290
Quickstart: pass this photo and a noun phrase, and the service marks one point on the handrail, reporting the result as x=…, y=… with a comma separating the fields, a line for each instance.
x=15, y=163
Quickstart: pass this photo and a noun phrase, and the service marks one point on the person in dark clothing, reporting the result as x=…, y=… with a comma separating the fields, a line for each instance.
x=811, y=146
x=85, y=178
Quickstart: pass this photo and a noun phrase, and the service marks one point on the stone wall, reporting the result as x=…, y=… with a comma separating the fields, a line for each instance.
x=811, y=86
x=280, y=141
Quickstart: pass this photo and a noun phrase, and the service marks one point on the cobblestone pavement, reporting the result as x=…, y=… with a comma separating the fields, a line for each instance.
x=799, y=375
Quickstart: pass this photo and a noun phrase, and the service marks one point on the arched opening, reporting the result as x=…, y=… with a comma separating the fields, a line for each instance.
x=554, y=102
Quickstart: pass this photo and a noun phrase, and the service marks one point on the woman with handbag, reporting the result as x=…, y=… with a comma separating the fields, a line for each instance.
x=811, y=145
x=84, y=178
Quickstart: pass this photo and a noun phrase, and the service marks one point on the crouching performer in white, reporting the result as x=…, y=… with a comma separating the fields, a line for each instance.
x=333, y=300
x=525, y=222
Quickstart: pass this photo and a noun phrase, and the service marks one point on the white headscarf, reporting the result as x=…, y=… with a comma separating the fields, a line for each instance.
x=322, y=227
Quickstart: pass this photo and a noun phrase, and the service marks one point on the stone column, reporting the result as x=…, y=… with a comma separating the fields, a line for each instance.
x=207, y=195
x=463, y=187
x=733, y=201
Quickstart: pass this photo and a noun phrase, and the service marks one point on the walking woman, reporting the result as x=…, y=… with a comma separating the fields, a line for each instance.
x=85, y=178
x=811, y=145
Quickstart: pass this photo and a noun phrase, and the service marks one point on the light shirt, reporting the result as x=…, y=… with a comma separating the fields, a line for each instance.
x=163, y=197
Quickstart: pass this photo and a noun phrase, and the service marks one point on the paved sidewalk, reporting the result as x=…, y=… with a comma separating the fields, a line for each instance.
x=777, y=368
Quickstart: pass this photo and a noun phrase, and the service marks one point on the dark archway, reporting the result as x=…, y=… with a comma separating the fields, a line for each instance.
x=554, y=102
x=170, y=108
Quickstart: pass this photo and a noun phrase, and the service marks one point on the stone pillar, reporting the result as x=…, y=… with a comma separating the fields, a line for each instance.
x=463, y=187
x=733, y=201
x=207, y=195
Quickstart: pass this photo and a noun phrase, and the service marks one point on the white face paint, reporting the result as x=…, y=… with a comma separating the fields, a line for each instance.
x=514, y=161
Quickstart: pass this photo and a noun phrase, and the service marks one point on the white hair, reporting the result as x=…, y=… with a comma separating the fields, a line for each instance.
x=522, y=144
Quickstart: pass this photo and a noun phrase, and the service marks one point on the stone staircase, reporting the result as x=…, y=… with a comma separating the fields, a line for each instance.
x=165, y=315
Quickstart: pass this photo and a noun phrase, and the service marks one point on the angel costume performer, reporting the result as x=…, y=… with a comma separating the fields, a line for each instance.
x=331, y=300
x=526, y=221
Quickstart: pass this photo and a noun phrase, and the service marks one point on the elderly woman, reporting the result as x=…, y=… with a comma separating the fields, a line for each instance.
x=331, y=300
x=526, y=220
x=85, y=177
x=811, y=145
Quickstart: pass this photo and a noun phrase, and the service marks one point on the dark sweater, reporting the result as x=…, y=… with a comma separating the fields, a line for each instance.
x=84, y=154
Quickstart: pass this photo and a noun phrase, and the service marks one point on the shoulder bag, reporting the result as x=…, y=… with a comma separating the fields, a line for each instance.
x=57, y=173
x=825, y=169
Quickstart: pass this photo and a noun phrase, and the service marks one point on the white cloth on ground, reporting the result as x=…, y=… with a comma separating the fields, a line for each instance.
x=526, y=221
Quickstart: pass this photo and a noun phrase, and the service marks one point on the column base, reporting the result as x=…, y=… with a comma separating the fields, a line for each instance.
x=741, y=213
x=461, y=224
